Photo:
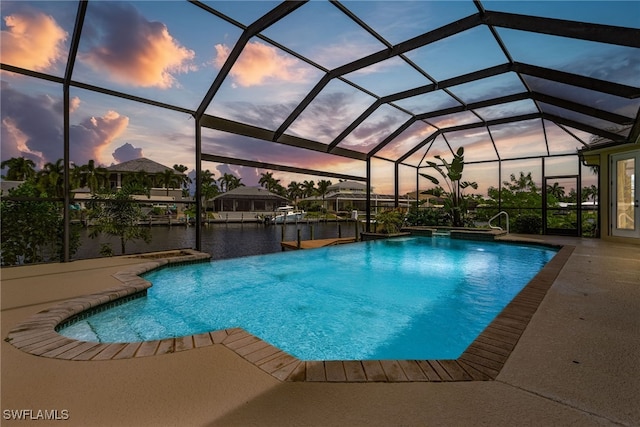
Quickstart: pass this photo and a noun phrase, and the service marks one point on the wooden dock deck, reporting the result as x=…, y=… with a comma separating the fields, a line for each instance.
x=318, y=243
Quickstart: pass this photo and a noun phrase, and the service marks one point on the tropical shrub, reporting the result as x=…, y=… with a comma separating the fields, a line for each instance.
x=390, y=221
x=116, y=214
x=455, y=202
x=527, y=224
x=428, y=216
x=33, y=230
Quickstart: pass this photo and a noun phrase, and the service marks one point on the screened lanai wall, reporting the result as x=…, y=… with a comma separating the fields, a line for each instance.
x=367, y=91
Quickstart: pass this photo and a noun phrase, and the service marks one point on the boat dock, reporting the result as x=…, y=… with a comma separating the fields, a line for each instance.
x=319, y=243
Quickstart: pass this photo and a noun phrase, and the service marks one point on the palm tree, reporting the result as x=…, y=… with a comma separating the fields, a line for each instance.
x=269, y=182
x=523, y=183
x=75, y=176
x=51, y=179
x=556, y=190
x=308, y=188
x=94, y=177
x=323, y=186
x=180, y=168
x=235, y=183
x=590, y=193
x=294, y=191
x=138, y=183
x=228, y=182
x=168, y=178
x=184, y=179
x=209, y=187
x=19, y=169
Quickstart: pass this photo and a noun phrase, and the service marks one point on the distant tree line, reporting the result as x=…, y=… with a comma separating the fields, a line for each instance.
x=295, y=190
x=50, y=179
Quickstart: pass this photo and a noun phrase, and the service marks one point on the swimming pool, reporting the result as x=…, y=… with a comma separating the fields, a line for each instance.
x=408, y=298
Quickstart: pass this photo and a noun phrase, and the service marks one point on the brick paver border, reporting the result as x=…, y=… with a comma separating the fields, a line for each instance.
x=481, y=361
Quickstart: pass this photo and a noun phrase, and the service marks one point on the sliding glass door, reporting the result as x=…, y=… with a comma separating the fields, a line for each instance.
x=625, y=195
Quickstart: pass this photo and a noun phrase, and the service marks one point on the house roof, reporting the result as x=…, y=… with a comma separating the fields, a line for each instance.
x=423, y=196
x=141, y=165
x=249, y=193
x=347, y=186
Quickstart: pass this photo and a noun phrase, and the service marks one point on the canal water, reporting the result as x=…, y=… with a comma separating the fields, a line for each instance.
x=222, y=241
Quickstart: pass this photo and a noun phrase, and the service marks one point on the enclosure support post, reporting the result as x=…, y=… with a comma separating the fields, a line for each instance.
x=544, y=198
x=396, y=176
x=417, y=188
x=579, y=201
x=368, y=190
x=73, y=50
x=199, y=207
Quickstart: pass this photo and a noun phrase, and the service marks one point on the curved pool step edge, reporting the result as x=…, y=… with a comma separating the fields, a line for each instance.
x=38, y=334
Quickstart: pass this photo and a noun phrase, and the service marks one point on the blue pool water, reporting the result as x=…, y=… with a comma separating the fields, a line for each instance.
x=405, y=298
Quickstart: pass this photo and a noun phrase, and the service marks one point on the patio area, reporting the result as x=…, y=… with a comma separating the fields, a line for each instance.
x=575, y=364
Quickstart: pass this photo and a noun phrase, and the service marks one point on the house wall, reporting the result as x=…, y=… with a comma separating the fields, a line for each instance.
x=245, y=205
x=602, y=158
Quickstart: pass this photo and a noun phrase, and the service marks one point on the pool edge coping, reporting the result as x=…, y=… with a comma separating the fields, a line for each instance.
x=482, y=360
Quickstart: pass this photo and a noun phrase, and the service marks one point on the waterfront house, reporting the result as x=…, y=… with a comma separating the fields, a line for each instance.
x=246, y=200
x=346, y=196
x=153, y=170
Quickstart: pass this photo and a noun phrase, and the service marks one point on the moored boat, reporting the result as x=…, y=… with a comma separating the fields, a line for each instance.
x=288, y=214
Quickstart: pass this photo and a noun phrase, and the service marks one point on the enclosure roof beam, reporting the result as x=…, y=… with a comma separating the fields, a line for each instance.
x=612, y=88
x=414, y=43
x=583, y=109
x=230, y=126
x=560, y=27
x=634, y=135
x=277, y=167
x=584, y=127
x=469, y=126
x=268, y=19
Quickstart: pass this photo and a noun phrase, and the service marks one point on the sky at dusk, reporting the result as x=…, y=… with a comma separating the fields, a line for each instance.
x=171, y=51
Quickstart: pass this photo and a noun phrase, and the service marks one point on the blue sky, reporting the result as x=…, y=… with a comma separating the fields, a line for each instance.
x=170, y=51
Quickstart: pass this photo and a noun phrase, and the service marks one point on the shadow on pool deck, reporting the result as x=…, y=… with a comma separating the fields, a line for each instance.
x=575, y=363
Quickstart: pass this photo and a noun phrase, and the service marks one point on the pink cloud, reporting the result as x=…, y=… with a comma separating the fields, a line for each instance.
x=74, y=104
x=134, y=51
x=259, y=63
x=44, y=143
x=91, y=137
x=15, y=143
x=32, y=40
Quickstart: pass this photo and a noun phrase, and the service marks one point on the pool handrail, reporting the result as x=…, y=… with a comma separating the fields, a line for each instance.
x=496, y=216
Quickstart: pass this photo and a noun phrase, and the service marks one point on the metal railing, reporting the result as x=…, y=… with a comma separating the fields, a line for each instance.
x=496, y=216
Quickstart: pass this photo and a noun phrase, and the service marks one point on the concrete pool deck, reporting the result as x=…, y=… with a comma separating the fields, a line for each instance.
x=575, y=364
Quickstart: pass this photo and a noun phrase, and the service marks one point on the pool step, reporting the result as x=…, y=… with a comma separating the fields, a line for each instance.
x=441, y=233
x=311, y=244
